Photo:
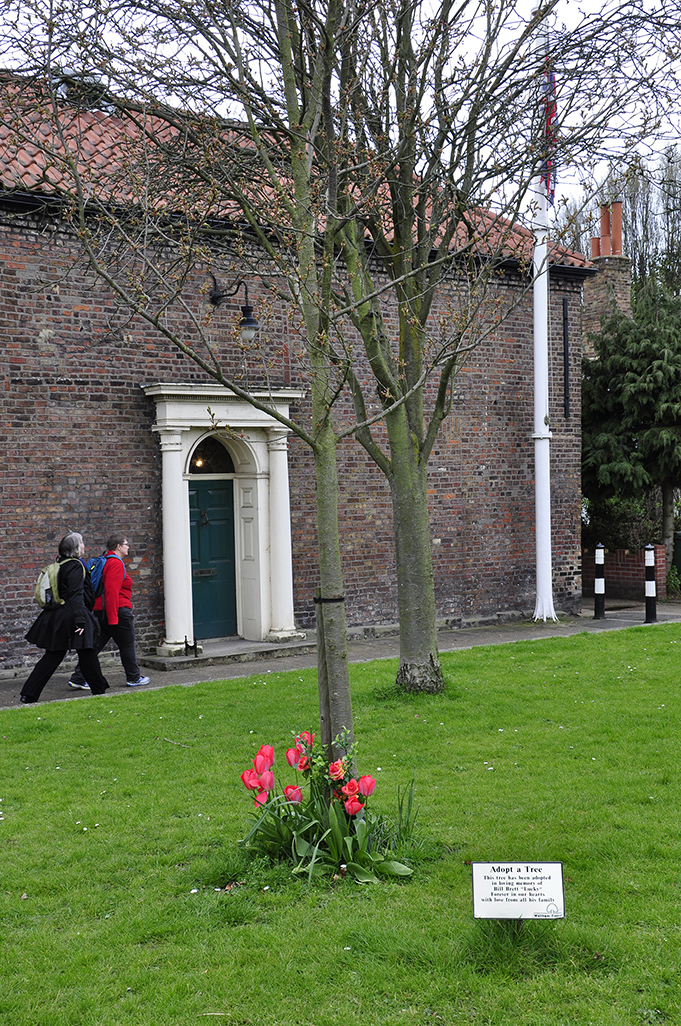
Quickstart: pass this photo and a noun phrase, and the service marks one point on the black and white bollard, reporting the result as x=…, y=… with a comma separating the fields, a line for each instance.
x=599, y=583
x=651, y=596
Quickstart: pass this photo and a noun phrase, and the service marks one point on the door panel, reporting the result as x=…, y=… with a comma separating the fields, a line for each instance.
x=211, y=524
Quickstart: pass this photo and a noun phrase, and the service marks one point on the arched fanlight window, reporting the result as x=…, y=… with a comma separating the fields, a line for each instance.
x=210, y=457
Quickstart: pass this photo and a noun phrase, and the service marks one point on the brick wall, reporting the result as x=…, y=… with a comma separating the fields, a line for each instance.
x=78, y=452
x=625, y=573
x=481, y=486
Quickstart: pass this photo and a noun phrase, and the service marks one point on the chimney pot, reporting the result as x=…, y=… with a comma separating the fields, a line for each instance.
x=605, y=231
x=616, y=232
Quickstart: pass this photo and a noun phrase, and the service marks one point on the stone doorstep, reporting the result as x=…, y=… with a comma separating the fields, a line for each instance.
x=237, y=650
x=215, y=653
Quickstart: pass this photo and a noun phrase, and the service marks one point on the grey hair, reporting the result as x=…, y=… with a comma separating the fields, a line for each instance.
x=70, y=545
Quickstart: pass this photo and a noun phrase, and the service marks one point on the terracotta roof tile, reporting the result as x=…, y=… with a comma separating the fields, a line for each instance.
x=103, y=147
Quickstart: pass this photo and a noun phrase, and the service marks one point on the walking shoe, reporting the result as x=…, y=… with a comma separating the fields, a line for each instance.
x=79, y=687
x=138, y=683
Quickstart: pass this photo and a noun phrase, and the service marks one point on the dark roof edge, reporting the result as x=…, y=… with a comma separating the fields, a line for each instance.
x=571, y=272
x=30, y=200
x=27, y=202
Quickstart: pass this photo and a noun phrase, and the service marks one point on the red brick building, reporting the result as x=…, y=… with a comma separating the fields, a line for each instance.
x=101, y=424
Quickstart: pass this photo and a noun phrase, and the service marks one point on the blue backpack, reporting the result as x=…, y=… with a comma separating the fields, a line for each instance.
x=95, y=569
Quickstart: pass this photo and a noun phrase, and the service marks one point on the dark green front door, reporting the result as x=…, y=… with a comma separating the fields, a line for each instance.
x=211, y=519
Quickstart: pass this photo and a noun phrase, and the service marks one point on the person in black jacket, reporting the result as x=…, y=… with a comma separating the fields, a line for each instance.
x=71, y=625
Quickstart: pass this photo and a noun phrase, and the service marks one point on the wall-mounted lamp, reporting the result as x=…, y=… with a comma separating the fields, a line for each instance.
x=248, y=324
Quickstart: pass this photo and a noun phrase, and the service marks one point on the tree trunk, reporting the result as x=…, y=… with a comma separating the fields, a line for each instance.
x=335, y=653
x=419, y=668
x=668, y=522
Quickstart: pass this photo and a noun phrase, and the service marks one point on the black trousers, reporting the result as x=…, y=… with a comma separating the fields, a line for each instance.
x=88, y=663
x=123, y=633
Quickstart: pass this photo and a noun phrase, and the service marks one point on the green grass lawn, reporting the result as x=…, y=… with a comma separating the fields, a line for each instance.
x=120, y=818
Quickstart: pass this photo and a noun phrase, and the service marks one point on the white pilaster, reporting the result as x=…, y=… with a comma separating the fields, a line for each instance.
x=177, y=580
x=281, y=574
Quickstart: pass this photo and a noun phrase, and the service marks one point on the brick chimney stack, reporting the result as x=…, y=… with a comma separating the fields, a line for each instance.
x=610, y=289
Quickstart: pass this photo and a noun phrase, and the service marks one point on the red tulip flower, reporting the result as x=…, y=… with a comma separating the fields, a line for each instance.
x=250, y=780
x=304, y=763
x=267, y=780
x=293, y=794
x=350, y=789
x=337, y=770
x=293, y=756
x=264, y=759
x=353, y=806
x=367, y=786
x=306, y=738
x=261, y=798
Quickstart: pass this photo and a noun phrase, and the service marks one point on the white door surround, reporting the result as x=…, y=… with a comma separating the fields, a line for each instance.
x=185, y=415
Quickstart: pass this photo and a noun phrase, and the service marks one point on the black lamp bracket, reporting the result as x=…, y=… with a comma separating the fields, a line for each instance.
x=216, y=294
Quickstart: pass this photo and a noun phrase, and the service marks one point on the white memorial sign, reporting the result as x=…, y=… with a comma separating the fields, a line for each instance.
x=518, y=890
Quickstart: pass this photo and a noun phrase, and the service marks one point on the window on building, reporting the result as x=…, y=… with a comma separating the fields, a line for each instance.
x=211, y=457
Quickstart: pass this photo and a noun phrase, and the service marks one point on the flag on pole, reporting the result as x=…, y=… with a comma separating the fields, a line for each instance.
x=548, y=175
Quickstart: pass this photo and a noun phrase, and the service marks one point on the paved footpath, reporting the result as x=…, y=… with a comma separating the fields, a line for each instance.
x=237, y=658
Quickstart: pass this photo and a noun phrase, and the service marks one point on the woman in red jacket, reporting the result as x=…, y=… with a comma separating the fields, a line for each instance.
x=113, y=609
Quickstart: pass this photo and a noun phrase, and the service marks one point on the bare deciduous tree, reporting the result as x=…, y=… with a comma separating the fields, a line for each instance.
x=370, y=161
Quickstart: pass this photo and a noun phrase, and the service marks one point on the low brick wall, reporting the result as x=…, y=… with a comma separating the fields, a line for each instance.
x=625, y=573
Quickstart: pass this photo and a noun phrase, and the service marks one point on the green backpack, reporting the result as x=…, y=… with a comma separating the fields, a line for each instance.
x=46, y=589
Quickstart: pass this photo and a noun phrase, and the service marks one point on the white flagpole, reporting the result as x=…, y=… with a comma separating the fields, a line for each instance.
x=542, y=435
